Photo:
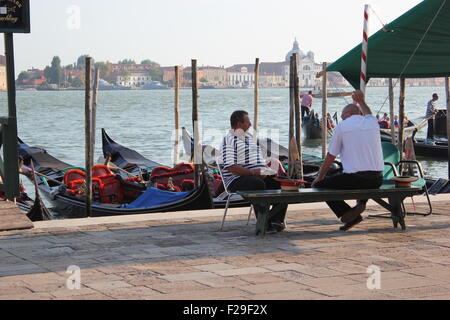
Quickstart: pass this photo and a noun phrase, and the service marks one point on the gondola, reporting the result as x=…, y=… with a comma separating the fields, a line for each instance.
x=438, y=150
x=52, y=176
x=130, y=160
x=311, y=127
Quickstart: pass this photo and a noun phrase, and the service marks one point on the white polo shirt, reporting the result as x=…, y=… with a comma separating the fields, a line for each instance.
x=357, y=142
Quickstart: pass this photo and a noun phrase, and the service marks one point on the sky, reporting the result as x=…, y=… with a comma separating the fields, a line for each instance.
x=215, y=32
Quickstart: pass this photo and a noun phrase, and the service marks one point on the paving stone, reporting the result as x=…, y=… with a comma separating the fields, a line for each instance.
x=178, y=286
x=130, y=293
x=214, y=267
x=207, y=294
x=241, y=271
x=297, y=295
x=274, y=287
x=106, y=285
x=418, y=293
x=223, y=282
x=186, y=258
x=187, y=276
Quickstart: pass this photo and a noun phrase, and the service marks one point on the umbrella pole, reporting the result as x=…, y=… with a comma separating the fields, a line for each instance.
x=365, y=44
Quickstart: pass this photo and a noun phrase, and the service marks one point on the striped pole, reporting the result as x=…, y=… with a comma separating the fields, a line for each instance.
x=364, y=49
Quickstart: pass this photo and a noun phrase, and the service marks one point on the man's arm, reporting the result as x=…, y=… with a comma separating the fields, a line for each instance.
x=329, y=160
x=358, y=97
x=241, y=171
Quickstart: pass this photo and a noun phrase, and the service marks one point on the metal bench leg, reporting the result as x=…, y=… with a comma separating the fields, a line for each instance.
x=398, y=215
x=250, y=214
x=225, y=213
x=430, y=212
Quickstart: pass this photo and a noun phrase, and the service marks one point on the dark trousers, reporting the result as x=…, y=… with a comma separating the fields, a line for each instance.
x=305, y=111
x=354, y=181
x=278, y=211
x=430, y=133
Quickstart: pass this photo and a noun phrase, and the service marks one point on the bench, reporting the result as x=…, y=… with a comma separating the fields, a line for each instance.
x=395, y=197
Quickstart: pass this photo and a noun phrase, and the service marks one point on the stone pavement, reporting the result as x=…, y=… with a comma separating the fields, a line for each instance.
x=178, y=256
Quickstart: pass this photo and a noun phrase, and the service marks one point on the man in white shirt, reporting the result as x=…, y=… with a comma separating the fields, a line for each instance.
x=356, y=140
x=245, y=169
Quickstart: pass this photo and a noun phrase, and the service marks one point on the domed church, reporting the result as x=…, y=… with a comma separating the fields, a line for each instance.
x=307, y=67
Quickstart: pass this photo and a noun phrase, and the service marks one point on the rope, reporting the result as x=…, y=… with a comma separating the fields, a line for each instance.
x=415, y=50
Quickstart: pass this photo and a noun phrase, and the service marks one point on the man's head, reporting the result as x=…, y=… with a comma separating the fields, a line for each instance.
x=349, y=111
x=240, y=120
x=310, y=92
x=435, y=97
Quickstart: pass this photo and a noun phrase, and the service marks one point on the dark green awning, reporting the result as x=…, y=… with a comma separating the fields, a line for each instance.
x=391, y=53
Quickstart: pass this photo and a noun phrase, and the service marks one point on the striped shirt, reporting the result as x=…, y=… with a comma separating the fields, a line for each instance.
x=431, y=109
x=242, y=151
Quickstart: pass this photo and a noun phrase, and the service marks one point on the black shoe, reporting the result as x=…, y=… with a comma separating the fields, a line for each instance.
x=279, y=226
x=351, y=224
x=353, y=213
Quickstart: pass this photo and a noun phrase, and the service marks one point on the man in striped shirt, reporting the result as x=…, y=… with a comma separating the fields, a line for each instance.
x=244, y=167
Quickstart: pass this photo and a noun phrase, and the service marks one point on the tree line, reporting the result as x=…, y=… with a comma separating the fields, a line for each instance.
x=54, y=73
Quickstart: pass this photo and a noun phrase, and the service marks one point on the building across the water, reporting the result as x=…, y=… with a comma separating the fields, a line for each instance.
x=271, y=74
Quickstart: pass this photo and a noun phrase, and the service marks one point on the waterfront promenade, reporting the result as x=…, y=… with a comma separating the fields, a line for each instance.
x=182, y=255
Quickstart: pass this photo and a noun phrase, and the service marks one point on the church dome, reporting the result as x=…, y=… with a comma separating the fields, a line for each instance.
x=295, y=49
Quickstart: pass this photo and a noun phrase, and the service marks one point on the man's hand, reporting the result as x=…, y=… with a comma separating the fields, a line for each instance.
x=256, y=173
x=358, y=96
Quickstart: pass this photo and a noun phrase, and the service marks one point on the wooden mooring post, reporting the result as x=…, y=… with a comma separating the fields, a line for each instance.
x=256, y=99
x=88, y=133
x=177, y=117
x=94, y=113
x=324, y=111
x=197, y=152
x=392, y=110
x=401, y=117
x=298, y=119
x=447, y=93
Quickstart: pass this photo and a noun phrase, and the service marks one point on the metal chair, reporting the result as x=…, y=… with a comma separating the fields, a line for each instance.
x=229, y=196
x=393, y=166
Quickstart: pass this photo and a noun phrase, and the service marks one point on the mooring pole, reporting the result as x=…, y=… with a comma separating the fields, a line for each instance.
x=324, y=111
x=292, y=141
x=297, y=113
x=177, y=116
x=256, y=99
x=447, y=93
x=401, y=117
x=392, y=111
x=88, y=140
x=197, y=152
x=94, y=113
x=298, y=118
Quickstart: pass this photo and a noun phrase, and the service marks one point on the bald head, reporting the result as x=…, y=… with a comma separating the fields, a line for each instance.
x=350, y=110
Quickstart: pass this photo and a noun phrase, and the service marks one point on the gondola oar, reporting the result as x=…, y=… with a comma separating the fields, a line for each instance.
x=38, y=211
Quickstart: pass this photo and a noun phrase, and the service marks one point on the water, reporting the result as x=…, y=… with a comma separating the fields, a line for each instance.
x=144, y=120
